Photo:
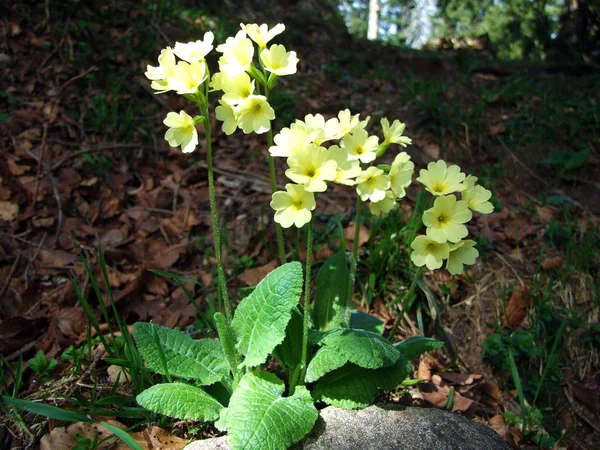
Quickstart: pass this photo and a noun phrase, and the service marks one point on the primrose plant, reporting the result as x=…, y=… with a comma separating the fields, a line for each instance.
x=318, y=350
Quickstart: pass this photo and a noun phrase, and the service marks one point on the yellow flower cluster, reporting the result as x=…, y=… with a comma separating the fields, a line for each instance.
x=312, y=165
x=242, y=105
x=445, y=221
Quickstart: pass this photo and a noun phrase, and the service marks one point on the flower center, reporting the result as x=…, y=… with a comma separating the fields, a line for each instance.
x=438, y=187
x=370, y=181
x=298, y=203
x=360, y=150
x=257, y=107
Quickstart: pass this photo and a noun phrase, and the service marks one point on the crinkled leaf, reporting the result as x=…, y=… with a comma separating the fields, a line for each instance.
x=259, y=418
x=355, y=387
x=201, y=360
x=331, y=292
x=180, y=401
x=361, y=347
x=262, y=317
x=289, y=352
x=362, y=321
x=417, y=345
x=325, y=360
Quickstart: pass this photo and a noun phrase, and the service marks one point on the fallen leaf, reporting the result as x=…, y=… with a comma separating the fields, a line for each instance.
x=8, y=211
x=497, y=129
x=61, y=438
x=253, y=276
x=363, y=234
x=516, y=310
x=461, y=378
x=553, y=263
x=545, y=212
x=439, y=399
x=423, y=371
x=155, y=438
x=432, y=150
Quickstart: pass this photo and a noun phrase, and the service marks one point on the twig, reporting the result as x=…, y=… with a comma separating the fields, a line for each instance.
x=35, y=254
x=46, y=124
x=580, y=411
x=10, y=276
x=25, y=348
x=59, y=45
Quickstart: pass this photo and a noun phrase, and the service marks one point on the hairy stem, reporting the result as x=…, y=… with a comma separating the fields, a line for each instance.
x=278, y=230
x=307, y=302
x=405, y=303
x=353, y=261
x=214, y=218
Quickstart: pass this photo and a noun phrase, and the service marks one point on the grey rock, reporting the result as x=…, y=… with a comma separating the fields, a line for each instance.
x=388, y=427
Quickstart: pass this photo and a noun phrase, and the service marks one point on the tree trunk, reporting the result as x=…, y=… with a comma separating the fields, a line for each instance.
x=373, y=30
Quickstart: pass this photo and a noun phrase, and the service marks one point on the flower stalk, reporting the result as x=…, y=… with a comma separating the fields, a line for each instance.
x=278, y=230
x=353, y=261
x=213, y=215
x=307, y=302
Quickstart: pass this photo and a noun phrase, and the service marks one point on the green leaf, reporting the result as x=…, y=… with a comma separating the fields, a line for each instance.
x=576, y=159
x=45, y=410
x=201, y=360
x=262, y=317
x=123, y=435
x=289, y=352
x=360, y=320
x=417, y=345
x=181, y=401
x=331, y=292
x=325, y=360
x=363, y=348
x=354, y=387
x=259, y=418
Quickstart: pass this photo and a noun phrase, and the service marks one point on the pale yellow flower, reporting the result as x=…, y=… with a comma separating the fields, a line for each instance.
x=445, y=221
x=441, y=180
x=159, y=75
x=225, y=114
x=237, y=88
x=393, y=134
x=346, y=123
x=237, y=56
x=383, y=207
x=182, y=131
x=289, y=140
x=318, y=128
x=401, y=174
x=294, y=206
x=477, y=197
x=360, y=145
x=261, y=34
x=427, y=252
x=347, y=169
x=462, y=253
x=187, y=77
x=372, y=184
x=195, y=51
x=254, y=114
x=278, y=61
x=312, y=167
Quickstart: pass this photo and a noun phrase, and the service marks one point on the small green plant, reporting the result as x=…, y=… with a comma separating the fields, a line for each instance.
x=564, y=162
x=41, y=365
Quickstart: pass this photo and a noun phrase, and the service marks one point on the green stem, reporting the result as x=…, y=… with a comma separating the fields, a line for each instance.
x=353, y=261
x=405, y=303
x=278, y=230
x=214, y=218
x=307, y=303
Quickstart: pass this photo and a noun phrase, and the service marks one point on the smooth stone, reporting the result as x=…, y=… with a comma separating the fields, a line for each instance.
x=386, y=427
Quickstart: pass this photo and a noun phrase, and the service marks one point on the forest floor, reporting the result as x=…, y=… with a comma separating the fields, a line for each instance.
x=83, y=160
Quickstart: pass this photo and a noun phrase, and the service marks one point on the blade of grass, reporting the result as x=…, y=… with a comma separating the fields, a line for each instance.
x=94, y=282
x=517, y=380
